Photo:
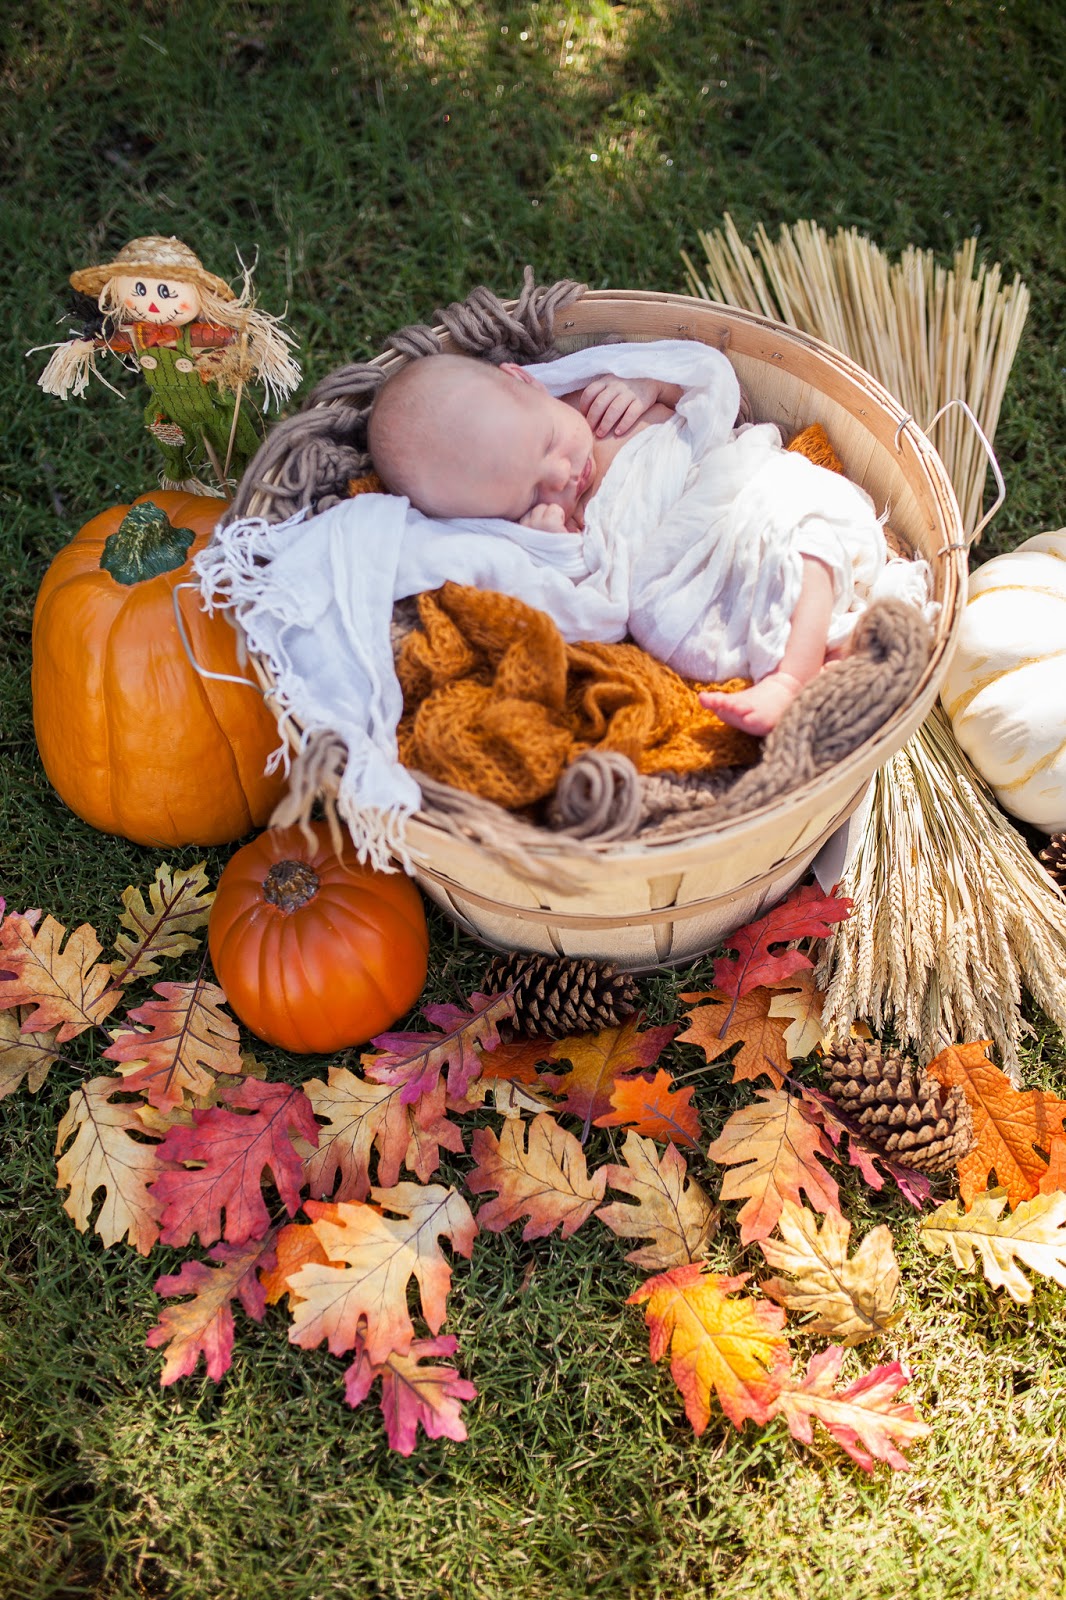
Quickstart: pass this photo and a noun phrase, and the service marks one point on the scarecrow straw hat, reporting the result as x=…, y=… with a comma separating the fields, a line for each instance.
x=168, y=258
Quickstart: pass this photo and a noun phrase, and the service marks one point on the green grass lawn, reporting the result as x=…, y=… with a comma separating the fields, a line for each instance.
x=379, y=160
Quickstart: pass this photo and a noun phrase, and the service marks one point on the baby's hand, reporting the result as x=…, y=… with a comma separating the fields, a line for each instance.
x=613, y=406
x=546, y=519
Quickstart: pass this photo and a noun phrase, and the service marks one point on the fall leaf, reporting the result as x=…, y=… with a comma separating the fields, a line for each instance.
x=806, y=914
x=726, y=1022
x=802, y=1001
x=62, y=984
x=1007, y=1123
x=105, y=1154
x=851, y=1298
x=179, y=904
x=549, y=1182
x=733, y=1348
x=774, y=1150
x=862, y=1418
x=233, y=1148
x=295, y=1245
x=652, y=1106
x=360, y=1117
x=381, y=1254
x=597, y=1060
x=1054, y=1178
x=185, y=1041
x=507, y=1099
x=414, y=1061
x=672, y=1210
x=204, y=1324
x=1033, y=1234
x=23, y=1056
x=914, y=1186
x=413, y=1394
x=518, y=1060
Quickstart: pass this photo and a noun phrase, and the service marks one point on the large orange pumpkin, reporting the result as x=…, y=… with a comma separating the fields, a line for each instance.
x=313, y=950
x=132, y=738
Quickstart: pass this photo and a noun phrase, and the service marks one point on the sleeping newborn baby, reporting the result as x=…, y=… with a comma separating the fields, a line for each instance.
x=463, y=439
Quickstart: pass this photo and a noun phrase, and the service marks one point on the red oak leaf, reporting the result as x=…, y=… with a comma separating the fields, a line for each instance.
x=414, y=1061
x=233, y=1149
x=204, y=1324
x=413, y=1394
x=862, y=1418
x=806, y=914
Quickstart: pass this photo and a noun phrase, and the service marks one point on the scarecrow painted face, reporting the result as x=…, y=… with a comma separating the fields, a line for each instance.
x=168, y=301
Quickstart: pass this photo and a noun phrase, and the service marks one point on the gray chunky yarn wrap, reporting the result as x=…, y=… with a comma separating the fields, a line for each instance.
x=308, y=460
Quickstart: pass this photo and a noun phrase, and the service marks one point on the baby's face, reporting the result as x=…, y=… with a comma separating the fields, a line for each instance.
x=519, y=447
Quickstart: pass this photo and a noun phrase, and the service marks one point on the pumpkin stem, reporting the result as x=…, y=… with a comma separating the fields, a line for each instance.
x=144, y=545
x=290, y=885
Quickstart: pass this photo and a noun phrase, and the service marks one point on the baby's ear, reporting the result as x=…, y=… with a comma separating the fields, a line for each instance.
x=513, y=370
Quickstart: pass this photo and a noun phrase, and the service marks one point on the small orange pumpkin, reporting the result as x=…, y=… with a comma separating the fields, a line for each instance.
x=132, y=738
x=313, y=950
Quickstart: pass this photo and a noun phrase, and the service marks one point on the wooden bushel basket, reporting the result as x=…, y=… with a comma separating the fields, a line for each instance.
x=644, y=904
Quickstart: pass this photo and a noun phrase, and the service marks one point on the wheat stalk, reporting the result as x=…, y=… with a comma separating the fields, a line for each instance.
x=952, y=913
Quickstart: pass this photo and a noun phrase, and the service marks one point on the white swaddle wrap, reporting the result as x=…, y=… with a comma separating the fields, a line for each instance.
x=693, y=544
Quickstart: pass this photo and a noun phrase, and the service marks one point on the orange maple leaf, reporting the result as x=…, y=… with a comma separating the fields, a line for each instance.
x=597, y=1059
x=549, y=1182
x=1054, y=1179
x=371, y=1257
x=63, y=984
x=733, y=1348
x=653, y=1107
x=724, y=1023
x=204, y=1324
x=105, y=1155
x=774, y=1151
x=413, y=1394
x=863, y=1418
x=1007, y=1122
x=517, y=1062
x=185, y=1042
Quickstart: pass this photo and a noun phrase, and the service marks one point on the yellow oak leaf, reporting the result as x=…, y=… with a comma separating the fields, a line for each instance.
x=548, y=1182
x=1032, y=1235
x=105, y=1156
x=718, y=1345
x=773, y=1151
x=62, y=984
x=1008, y=1123
x=372, y=1256
x=748, y=1022
x=851, y=1299
x=802, y=1001
x=178, y=906
x=672, y=1210
x=24, y=1057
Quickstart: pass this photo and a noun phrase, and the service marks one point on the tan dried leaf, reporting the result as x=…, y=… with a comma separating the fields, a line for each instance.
x=23, y=1056
x=179, y=905
x=674, y=1213
x=548, y=1182
x=104, y=1155
x=63, y=985
x=801, y=1000
x=851, y=1299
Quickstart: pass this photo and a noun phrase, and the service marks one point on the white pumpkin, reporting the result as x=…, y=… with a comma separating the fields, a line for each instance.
x=1005, y=688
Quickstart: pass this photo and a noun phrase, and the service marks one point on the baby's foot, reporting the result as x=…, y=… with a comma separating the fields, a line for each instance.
x=758, y=709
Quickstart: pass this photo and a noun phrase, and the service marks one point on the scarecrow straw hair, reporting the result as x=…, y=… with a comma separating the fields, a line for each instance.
x=929, y=334
x=952, y=914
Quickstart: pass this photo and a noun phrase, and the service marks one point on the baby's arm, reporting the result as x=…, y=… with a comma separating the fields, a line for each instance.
x=616, y=405
x=760, y=708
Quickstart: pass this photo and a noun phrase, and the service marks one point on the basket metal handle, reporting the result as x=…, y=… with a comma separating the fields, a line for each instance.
x=964, y=544
x=204, y=672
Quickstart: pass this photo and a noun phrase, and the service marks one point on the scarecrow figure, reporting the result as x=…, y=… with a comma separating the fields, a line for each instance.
x=197, y=345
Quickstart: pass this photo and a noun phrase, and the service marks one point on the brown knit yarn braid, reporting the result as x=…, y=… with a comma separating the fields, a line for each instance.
x=308, y=461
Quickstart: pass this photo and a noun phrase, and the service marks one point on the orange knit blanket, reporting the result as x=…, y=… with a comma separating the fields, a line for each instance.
x=497, y=703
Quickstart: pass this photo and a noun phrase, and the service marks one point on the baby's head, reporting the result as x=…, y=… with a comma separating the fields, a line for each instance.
x=462, y=438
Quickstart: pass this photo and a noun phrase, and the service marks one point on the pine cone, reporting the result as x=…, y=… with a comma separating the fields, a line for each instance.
x=1053, y=857
x=899, y=1109
x=556, y=997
